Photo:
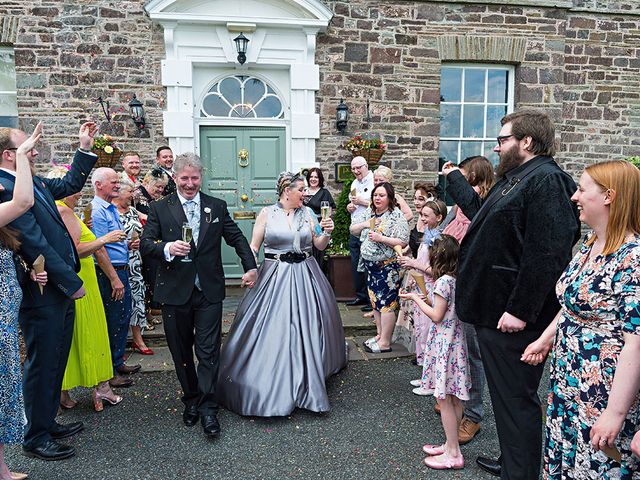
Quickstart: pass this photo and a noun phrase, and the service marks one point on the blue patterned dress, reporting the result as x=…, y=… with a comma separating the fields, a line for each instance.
x=11, y=403
x=600, y=302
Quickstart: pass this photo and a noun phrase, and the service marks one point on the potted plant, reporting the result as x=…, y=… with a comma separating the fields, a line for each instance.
x=368, y=145
x=105, y=148
x=339, y=257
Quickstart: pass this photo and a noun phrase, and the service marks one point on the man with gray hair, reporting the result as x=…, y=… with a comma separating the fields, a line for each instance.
x=184, y=231
x=116, y=293
x=359, y=200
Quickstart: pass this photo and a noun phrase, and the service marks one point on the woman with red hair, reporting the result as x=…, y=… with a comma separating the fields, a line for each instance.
x=594, y=402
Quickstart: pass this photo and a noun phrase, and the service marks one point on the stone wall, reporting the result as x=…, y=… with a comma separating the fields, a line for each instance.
x=70, y=53
x=581, y=64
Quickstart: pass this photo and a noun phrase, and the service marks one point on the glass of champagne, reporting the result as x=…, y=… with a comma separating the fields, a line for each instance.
x=325, y=212
x=187, y=236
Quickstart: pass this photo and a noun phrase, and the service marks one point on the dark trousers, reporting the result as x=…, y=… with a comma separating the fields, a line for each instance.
x=47, y=334
x=118, y=313
x=359, y=278
x=513, y=386
x=196, y=323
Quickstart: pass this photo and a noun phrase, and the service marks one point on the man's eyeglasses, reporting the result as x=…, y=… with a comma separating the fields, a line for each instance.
x=503, y=138
x=12, y=149
x=357, y=167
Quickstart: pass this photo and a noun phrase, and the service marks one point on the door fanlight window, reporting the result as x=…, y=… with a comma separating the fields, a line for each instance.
x=241, y=96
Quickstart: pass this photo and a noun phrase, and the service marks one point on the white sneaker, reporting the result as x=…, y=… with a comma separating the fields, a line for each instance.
x=421, y=391
x=416, y=383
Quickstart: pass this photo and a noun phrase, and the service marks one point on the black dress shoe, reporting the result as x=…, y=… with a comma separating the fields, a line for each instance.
x=50, y=450
x=128, y=369
x=63, y=431
x=367, y=308
x=356, y=302
x=190, y=415
x=210, y=425
x=490, y=465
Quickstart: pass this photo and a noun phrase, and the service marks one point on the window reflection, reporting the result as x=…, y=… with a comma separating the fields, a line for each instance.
x=450, y=84
x=474, y=85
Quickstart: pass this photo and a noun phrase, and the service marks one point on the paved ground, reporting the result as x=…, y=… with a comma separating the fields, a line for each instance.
x=375, y=430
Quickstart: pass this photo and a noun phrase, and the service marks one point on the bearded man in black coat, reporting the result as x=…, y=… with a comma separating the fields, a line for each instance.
x=518, y=243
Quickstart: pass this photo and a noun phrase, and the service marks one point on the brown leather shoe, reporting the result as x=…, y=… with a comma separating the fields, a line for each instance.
x=120, y=382
x=467, y=431
x=127, y=369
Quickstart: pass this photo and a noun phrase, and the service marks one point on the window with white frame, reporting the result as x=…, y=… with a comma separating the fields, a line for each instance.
x=473, y=99
x=8, y=96
x=241, y=96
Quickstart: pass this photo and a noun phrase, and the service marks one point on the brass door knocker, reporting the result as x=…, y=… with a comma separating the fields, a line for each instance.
x=244, y=197
x=243, y=158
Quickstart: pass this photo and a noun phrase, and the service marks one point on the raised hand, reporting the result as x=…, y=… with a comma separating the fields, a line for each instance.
x=30, y=143
x=86, y=134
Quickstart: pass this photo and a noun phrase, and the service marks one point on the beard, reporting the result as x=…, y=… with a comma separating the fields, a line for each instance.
x=509, y=160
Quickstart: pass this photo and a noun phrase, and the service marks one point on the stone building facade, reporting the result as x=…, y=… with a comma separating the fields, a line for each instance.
x=579, y=60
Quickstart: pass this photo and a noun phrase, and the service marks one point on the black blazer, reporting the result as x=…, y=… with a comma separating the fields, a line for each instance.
x=518, y=244
x=42, y=231
x=175, y=280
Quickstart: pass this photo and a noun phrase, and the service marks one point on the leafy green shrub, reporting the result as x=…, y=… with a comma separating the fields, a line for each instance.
x=342, y=221
x=634, y=161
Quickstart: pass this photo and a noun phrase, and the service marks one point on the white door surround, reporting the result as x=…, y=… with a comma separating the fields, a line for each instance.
x=198, y=37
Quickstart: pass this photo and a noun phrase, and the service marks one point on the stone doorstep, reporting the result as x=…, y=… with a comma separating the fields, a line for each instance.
x=161, y=359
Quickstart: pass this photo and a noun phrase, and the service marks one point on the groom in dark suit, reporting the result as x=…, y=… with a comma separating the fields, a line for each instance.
x=190, y=283
x=47, y=319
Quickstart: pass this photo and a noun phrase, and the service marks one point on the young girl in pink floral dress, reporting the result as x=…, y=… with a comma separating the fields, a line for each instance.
x=446, y=367
x=431, y=215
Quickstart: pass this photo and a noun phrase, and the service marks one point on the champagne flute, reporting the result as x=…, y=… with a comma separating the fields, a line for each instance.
x=325, y=213
x=187, y=236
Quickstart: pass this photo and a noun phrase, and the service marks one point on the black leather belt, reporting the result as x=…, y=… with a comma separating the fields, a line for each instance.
x=121, y=267
x=289, y=257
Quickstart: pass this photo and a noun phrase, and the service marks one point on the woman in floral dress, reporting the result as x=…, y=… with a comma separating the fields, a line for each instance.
x=133, y=228
x=380, y=261
x=593, y=410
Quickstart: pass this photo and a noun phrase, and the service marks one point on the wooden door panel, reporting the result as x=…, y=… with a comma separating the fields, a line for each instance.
x=227, y=180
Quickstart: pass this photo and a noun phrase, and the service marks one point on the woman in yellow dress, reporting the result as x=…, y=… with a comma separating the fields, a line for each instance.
x=89, y=363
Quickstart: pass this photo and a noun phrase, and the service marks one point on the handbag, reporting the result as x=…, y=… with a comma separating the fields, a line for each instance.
x=22, y=270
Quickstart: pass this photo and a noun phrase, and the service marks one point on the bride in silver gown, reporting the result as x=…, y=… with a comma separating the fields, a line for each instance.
x=287, y=336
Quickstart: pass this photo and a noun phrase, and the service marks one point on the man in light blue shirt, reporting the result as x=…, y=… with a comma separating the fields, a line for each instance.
x=117, y=306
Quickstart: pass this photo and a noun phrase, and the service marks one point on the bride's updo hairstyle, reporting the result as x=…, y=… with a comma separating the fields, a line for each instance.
x=286, y=179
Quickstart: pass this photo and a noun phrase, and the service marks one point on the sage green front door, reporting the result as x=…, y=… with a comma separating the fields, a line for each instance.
x=241, y=167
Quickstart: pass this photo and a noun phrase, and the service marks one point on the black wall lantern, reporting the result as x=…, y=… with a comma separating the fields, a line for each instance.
x=136, y=110
x=242, y=43
x=342, y=116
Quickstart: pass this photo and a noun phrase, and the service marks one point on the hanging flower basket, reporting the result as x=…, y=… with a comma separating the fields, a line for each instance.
x=371, y=155
x=369, y=145
x=106, y=150
x=107, y=159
